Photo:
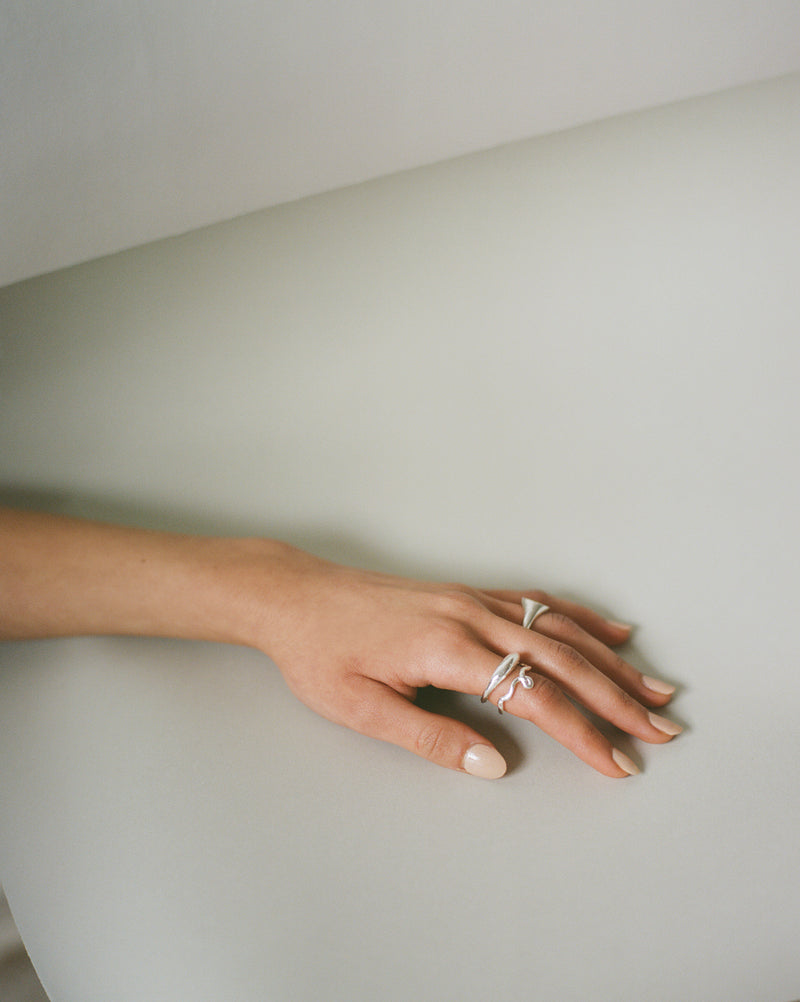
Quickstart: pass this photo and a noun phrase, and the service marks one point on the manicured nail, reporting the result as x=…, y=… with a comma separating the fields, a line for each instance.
x=484, y=761
x=662, y=688
x=664, y=725
x=619, y=626
x=625, y=763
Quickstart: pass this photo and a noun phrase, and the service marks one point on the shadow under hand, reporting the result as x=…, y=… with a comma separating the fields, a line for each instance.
x=468, y=710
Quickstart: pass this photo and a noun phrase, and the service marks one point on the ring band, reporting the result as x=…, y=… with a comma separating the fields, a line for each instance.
x=532, y=611
x=522, y=679
x=501, y=672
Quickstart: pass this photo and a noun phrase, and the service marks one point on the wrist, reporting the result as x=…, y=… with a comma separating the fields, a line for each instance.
x=248, y=583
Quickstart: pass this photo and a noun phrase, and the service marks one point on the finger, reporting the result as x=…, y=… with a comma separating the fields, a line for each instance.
x=385, y=714
x=545, y=705
x=608, y=630
x=561, y=628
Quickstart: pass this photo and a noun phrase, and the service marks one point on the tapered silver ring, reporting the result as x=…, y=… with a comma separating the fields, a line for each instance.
x=532, y=611
x=501, y=673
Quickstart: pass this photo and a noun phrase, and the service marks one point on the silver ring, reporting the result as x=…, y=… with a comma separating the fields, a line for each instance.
x=522, y=679
x=532, y=611
x=501, y=672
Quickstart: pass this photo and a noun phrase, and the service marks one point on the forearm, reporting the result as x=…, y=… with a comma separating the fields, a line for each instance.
x=66, y=577
x=353, y=645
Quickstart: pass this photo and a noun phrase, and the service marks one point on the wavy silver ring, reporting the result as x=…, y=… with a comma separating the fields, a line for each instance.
x=522, y=679
x=532, y=611
x=501, y=672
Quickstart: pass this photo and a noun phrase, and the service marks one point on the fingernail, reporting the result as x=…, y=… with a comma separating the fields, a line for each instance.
x=625, y=763
x=664, y=725
x=484, y=761
x=663, y=688
x=619, y=626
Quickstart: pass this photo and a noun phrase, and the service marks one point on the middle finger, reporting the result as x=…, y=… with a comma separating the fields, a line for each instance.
x=565, y=630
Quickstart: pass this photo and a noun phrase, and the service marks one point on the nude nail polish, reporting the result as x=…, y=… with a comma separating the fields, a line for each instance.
x=656, y=685
x=484, y=761
x=625, y=763
x=664, y=725
x=619, y=626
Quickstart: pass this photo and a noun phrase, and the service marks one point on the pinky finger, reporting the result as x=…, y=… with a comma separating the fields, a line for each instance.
x=609, y=631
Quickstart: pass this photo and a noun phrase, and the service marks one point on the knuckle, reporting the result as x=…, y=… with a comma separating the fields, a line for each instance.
x=431, y=742
x=569, y=659
x=627, y=703
x=563, y=623
x=620, y=666
x=456, y=603
x=449, y=638
x=460, y=644
x=587, y=737
x=544, y=691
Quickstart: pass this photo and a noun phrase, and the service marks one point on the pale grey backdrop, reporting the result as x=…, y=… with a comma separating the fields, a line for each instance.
x=568, y=363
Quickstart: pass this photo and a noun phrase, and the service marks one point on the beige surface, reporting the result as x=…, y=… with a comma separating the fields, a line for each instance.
x=571, y=363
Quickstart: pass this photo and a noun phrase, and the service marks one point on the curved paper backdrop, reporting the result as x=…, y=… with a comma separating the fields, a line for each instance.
x=122, y=123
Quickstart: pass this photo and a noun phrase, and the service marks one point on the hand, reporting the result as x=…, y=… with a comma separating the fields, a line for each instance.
x=356, y=646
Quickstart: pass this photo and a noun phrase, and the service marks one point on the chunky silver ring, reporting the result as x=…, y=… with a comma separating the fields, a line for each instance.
x=501, y=672
x=522, y=679
x=532, y=611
